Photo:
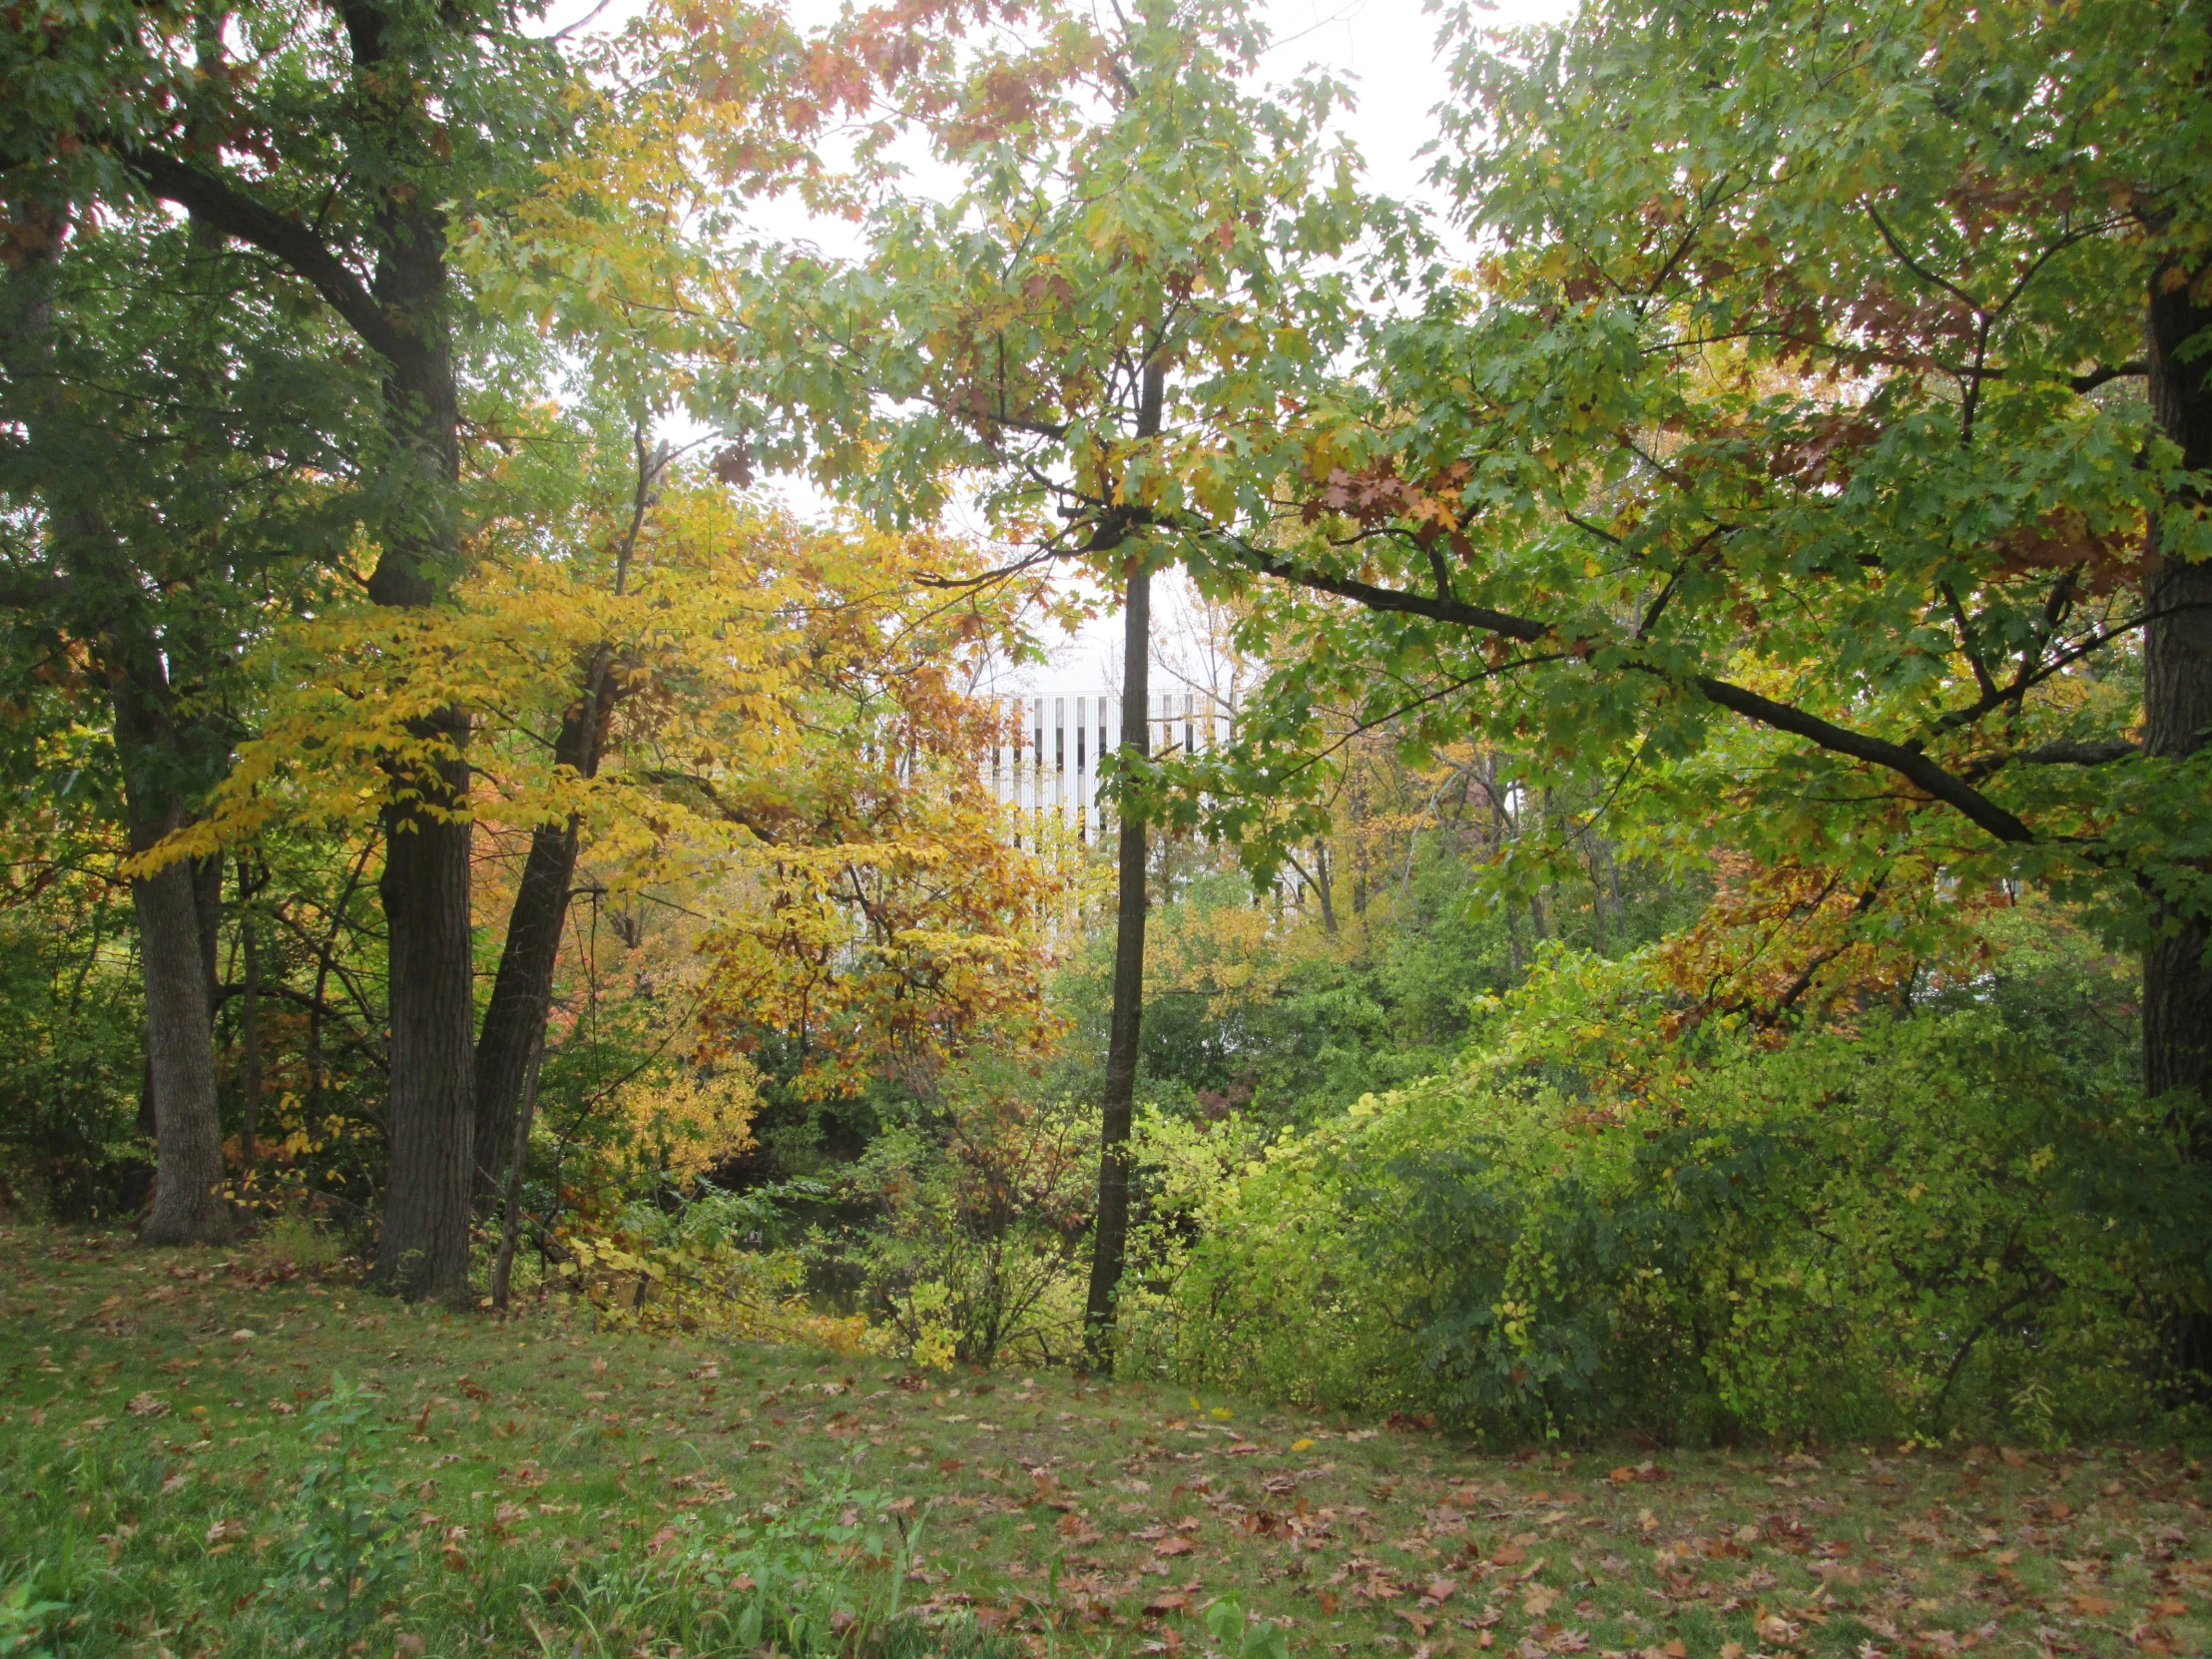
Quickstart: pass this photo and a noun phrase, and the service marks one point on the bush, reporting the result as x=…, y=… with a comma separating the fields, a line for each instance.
x=978, y=1249
x=1922, y=1226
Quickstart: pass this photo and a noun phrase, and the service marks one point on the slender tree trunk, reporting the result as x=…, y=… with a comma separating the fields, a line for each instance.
x=513, y=1034
x=1110, y=1246
x=2177, y=711
x=523, y=992
x=510, y=1221
x=250, y=1026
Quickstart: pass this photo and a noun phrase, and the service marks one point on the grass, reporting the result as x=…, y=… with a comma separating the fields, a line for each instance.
x=530, y=1488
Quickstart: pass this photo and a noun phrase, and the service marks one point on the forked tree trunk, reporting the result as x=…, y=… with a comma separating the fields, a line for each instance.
x=2177, y=711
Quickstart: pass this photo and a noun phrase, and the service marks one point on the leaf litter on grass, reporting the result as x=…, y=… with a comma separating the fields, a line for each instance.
x=560, y=1482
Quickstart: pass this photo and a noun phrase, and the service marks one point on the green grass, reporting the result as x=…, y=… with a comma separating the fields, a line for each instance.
x=554, y=1491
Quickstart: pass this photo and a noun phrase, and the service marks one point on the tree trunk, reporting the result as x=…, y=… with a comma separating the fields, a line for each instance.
x=510, y=1047
x=106, y=598
x=189, y=1207
x=522, y=994
x=2177, y=711
x=425, y=1250
x=250, y=1026
x=1110, y=1246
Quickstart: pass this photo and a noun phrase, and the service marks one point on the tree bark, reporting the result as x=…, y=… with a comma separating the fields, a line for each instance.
x=2177, y=709
x=250, y=1026
x=1110, y=1242
x=189, y=1207
x=523, y=992
x=425, y=1249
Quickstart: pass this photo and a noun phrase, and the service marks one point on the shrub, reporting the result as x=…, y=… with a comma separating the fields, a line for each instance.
x=1923, y=1224
x=978, y=1250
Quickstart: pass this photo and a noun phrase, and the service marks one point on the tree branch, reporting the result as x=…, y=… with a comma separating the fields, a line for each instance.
x=229, y=210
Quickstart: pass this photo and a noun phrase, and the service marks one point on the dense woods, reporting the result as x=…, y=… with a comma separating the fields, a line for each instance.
x=1698, y=927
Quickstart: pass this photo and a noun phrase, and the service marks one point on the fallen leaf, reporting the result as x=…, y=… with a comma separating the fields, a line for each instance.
x=2095, y=1607
x=1173, y=1546
x=1508, y=1556
x=1538, y=1601
x=147, y=1405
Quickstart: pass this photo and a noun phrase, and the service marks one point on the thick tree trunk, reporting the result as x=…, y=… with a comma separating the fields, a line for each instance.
x=1110, y=1246
x=2177, y=711
x=425, y=1250
x=189, y=1206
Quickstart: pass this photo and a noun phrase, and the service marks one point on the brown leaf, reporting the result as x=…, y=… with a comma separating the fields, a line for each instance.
x=1168, y=1602
x=1173, y=1546
x=2092, y=1606
x=147, y=1405
x=1508, y=1556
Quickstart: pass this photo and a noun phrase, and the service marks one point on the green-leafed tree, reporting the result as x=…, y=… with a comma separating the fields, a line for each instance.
x=172, y=485
x=1111, y=314
x=1822, y=433
x=335, y=142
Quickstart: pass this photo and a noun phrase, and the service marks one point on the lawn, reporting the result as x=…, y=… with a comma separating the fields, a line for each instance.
x=203, y=1454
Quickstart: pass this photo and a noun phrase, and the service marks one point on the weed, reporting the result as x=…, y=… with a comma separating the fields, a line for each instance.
x=352, y=1553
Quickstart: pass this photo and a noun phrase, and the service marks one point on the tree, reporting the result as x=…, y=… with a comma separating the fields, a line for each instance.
x=333, y=141
x=168, y=473
x=1782, y=448
x=1103, y=321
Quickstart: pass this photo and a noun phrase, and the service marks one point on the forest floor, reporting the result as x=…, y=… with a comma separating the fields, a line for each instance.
x=557, y=1491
